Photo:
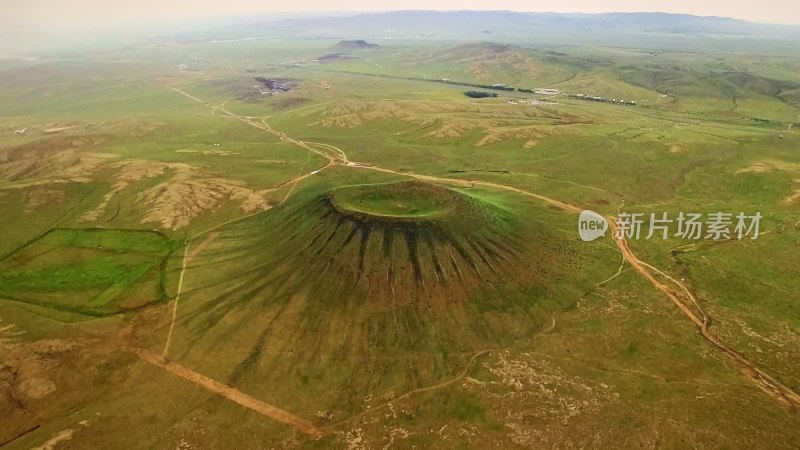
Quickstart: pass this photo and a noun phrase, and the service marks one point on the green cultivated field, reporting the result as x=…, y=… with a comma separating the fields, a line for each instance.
x=92, y=272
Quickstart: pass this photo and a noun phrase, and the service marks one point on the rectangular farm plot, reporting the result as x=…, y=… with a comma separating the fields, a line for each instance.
x=93, y=272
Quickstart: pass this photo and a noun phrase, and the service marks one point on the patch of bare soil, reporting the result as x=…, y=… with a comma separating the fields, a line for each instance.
x=58, y=438
x=771, y=165
x=8, y=335
x=209, y=152
x=353, y=439
x=36, y=388
x=482, y=60
x=86, y=132
x=448, y=120
x=130, y=173
x=176, y=202
x=531, y=135
x=31, y=372
x=530, y=143
x=30, y=363
x=68, y=165
x=757, y=167
x=52, y=130
x=219, y=153
x=38, y=196
x=795, y=196
x=187, y=193
x=540, y=392
x=351, y=114
x=450, y=129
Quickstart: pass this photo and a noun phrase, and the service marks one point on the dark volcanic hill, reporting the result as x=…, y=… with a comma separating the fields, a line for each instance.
x=358, y=44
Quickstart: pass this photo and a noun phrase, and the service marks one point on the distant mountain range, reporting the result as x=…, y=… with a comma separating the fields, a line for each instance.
x=511, y=25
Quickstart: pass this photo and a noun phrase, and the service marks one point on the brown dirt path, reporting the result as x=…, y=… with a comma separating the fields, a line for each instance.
x=229, y=392
x=777, y=390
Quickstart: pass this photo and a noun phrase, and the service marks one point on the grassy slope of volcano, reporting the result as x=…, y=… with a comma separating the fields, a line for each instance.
x=329, y=299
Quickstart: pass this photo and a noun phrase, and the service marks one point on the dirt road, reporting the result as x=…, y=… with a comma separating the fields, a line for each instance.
x=231, y=393
x=262, y=124
x=469, y=183
x=777, y=390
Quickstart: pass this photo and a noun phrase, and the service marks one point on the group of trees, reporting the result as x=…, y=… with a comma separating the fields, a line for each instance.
x=479, y=94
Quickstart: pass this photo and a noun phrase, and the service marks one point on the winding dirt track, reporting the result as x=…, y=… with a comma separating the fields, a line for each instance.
x=780, y=392
x=777, y=390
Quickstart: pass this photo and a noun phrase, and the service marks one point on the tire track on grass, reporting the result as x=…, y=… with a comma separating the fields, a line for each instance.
x=461, y=375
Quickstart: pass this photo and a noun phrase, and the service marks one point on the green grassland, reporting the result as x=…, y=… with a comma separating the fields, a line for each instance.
x=394, y=311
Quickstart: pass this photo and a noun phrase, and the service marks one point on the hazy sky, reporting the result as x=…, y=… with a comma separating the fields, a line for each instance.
x=44, y=14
